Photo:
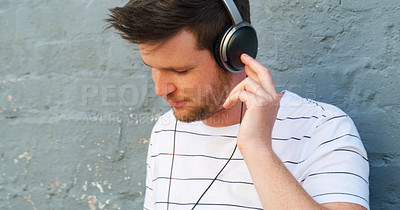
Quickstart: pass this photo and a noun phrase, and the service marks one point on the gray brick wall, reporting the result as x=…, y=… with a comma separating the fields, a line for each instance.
x=77, y=105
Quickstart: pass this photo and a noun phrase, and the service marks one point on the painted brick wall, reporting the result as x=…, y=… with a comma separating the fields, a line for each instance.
x=77, y=105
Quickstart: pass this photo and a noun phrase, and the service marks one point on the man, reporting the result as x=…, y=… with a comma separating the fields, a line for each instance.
x=293, y=153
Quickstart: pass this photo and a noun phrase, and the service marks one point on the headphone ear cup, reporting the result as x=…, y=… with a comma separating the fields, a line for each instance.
x=243, y=40
x=231, y=44
x=217, y=47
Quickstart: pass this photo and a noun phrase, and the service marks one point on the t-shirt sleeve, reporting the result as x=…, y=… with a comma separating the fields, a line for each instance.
x=336, y=167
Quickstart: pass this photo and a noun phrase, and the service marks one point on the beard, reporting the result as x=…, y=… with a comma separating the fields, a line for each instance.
x=207, y=100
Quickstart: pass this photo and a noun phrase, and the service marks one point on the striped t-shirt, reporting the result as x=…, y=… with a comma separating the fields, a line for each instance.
x=317, y=142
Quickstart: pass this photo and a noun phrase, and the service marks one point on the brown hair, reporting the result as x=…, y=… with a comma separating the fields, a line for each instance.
x=151, y=21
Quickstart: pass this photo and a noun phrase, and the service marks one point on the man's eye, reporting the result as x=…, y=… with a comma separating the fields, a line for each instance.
x=182, y=71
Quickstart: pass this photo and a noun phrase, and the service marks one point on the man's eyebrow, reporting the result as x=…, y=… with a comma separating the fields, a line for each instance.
x=188, y=67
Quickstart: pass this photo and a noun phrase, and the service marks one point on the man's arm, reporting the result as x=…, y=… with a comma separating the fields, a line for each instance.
x=275, y=185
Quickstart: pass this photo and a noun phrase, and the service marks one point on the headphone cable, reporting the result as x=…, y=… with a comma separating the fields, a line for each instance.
x=172, y=164
x=212, y=182
x=230, y=158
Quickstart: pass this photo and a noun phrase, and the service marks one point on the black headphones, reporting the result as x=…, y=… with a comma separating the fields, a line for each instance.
x=239, y=38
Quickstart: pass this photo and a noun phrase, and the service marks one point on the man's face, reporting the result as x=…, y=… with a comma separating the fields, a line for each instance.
x=188, y=78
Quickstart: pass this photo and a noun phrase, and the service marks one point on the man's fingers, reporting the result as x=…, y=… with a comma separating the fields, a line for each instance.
x=240, y=95
x=247, y=85
x=256, y=90
x=258, y=72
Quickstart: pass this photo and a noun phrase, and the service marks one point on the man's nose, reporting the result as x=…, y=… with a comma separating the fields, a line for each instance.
x=163, y=82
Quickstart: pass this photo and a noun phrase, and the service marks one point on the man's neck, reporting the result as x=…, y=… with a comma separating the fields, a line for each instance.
x=226, y=117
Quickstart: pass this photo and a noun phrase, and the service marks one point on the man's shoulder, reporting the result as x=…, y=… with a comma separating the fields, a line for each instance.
x=293, y=104
x=306, y=114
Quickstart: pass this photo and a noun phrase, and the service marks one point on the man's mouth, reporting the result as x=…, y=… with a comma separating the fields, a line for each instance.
x=176, y=104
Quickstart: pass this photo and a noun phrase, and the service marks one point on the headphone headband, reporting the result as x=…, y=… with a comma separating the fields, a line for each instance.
x=233, y=11
x=239, y=38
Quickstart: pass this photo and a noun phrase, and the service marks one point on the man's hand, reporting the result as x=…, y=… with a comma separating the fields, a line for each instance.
x=257, y=91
